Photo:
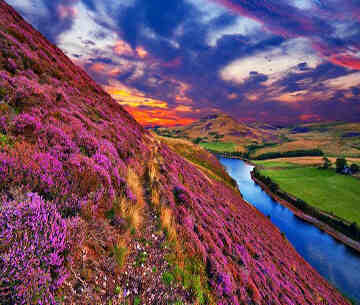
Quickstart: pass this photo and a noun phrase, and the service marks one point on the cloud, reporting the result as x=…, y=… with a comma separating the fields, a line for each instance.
x=273, y=62
x=318, y=25
x=52, y=18
x=172, y=61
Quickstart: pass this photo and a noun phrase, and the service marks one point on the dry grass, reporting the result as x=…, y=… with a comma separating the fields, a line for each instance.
x=134, y=211
x=167, y=222
x=311, y=160
x=290, y=146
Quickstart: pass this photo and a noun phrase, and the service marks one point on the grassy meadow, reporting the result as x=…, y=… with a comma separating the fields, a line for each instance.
x=220, y=146
x=323, y=189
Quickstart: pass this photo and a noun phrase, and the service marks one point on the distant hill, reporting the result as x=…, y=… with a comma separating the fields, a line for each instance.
x=223, y=133
x=222, y=128
x=333, y=138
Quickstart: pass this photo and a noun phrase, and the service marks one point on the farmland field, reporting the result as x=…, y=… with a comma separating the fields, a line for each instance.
x=323, y=189
x=299, y=161
x=220, y=146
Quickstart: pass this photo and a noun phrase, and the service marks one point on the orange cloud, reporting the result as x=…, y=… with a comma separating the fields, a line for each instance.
x=66, y=11
x=182, y=108
x=141, y=52
x=122, y=48
x=347, y=61
x=310, y=117
x=130, y=97
x=98, y=67
x=159, y=117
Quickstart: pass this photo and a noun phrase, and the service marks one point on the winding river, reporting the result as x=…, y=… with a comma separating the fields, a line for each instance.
x=338, y=263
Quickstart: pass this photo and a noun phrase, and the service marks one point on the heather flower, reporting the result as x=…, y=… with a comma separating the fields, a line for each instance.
x=25, y=124
x=103, y=161
x=88, y=143
x=11, y=65
x=32, y=251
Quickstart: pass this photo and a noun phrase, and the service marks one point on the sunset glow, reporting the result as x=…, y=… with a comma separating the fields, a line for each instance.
x=229, y=55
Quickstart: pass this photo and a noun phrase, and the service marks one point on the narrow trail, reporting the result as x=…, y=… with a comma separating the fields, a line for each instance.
x=143, y=279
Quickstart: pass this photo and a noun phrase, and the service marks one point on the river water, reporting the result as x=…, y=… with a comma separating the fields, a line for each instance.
x=339, y=264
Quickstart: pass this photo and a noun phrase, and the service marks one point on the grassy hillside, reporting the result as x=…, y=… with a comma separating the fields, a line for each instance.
x=334, y=139
x=96, y=210
x=323, y=189
x=222, y=133
x=218, y=132
x=199, y=157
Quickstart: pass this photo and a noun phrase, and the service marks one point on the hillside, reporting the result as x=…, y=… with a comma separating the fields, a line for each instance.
x=96, y=210
x=223, y=133
x=224, y=129
x=333, y=138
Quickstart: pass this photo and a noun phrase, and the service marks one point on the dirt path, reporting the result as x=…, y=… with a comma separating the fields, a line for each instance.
x=143, y=280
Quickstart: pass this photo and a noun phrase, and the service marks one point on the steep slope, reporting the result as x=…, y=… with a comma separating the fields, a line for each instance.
x=95, y=210
x=222, y=128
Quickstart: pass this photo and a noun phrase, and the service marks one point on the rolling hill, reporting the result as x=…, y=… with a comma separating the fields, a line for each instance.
x=224, y=129
x=333, y=138
x=222, y=133
x=96, y=210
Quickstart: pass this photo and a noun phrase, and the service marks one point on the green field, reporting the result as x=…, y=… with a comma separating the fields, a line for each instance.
x=219, y=146
x=323, y=189
x=277, y=164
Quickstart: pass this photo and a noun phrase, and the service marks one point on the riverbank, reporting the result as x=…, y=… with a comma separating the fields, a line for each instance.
x=308, y=218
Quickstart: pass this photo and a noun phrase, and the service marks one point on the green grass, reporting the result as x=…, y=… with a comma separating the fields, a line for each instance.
x=270, y=163
x=323, y=189
x=137, y=300
x=219, y=146
x=120, y=254
x=168, y=278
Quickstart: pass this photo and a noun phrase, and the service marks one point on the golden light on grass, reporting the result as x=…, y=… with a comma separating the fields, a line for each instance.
x=166, y=218
x=135, y=211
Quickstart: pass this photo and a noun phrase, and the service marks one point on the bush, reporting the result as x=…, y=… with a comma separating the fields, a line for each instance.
x=32, y=251
x=354, y=168
x=340, y=164
x=327, y=163
x=197, y=140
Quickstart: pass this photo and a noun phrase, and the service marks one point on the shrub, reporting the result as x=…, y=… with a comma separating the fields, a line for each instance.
x=354, y=168
x=327, y=163
x=340, y=164
x=32, y=251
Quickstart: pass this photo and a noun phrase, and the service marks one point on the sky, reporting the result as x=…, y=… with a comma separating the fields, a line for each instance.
x=170, y=62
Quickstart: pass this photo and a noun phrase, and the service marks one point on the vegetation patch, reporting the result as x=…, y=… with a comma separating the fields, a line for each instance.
x=323, y=189
x=220, y=146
